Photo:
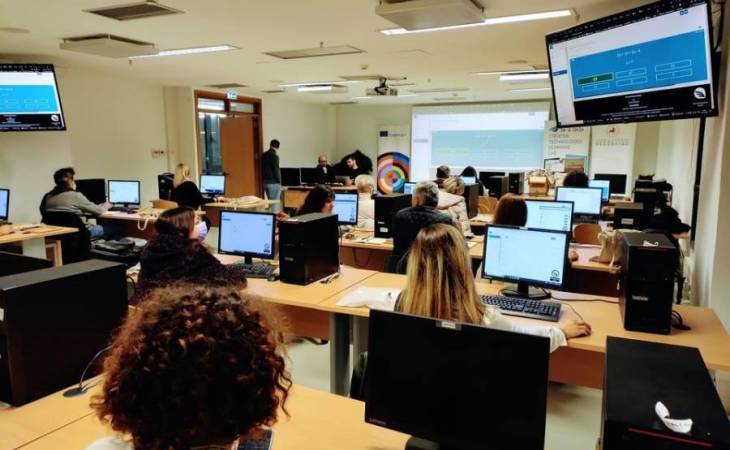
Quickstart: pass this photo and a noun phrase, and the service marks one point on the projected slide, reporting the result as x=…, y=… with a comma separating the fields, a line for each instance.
x=663, y=62
x=29, y=98
x=487, y=137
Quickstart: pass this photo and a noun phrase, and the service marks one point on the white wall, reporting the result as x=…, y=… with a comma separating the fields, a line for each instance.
x=645, y=151
x=357, y=127
x=305, y=130
x=676, y=161
x=180, y=124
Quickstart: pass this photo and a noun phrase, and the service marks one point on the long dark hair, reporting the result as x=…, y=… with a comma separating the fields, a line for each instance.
x=316, y=199
x=511, y=210
x=177, y=221
x=469, y=171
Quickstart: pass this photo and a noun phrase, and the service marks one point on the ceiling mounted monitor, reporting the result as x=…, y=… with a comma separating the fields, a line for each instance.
x=654, y=62
x=29, y=99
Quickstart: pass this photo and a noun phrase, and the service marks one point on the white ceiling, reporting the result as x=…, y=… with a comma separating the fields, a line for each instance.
x=431, y=60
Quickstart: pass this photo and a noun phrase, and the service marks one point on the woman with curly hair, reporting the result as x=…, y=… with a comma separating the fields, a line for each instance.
x=196, y=368
x=176, y=254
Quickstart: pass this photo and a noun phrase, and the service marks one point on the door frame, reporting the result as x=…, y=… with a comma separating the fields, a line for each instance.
x=258, y=134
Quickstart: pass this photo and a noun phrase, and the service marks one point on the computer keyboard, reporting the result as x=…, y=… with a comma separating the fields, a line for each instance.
x=256, y=270
x=122, y=209
x=523, y=307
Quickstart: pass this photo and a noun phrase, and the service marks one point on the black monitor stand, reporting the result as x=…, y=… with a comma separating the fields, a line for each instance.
x=415, y=443
x=248, y=260
x=524, y=291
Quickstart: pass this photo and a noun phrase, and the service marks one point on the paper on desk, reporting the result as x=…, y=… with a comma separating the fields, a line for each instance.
x=683, y=426
x=373, y=298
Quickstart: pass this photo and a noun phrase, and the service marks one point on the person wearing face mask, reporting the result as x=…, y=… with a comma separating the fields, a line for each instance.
x=177, y=253
x=65, y=198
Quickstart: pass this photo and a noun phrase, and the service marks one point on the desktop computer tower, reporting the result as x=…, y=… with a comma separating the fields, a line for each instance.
x=386, y=207
x=498, y=186
x=517, y=183
x=54, y=321
x=165, y=185
x=308, y=248
x=12, y=263
x=629, y=215
x=649, y=264
x=637, y=375
x=471, y=196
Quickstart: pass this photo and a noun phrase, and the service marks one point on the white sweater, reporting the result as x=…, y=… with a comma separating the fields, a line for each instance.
x=110, y=443
x=494, y=319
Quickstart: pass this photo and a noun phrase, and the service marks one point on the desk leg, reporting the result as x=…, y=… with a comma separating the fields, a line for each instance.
x=339, y=353
x=35, y=248
x=57, y=253
x=359, y=336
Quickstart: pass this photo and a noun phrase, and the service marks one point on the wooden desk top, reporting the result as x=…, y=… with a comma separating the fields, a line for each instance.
x=319, y=421
x=43, y=231
x=475, y=250
x=234, y=206
x=585, y=253
x=707, y=334
x=41, y=417
x=150, y=214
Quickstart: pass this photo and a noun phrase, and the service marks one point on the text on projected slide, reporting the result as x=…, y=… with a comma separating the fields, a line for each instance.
x=487, y=148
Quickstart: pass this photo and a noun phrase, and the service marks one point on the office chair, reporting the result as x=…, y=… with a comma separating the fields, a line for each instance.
x=75, y=247
x=587, y=233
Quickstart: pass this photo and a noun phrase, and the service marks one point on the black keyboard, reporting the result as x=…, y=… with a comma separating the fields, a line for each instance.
x=523, y=307
x=257, y=270
x=122, y=209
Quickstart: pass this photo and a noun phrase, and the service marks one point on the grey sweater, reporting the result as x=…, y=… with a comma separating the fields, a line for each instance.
x=75, y=202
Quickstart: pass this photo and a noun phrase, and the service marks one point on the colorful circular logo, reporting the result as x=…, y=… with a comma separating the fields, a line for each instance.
x=393, y=169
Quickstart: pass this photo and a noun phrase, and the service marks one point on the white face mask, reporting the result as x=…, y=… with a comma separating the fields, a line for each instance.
x=202, y=231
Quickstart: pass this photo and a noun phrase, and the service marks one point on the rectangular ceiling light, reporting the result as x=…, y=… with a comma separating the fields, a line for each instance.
x=490, y=21
x=189, y=51
x=315, y=52
x=529, y=89
x=314, y=88
x=317, y=83
x=503, y=72
x=524, y=76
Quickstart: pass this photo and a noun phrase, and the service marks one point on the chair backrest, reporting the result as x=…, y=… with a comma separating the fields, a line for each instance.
x=587, y=233
x=487, y=205
x=164, y=204
x=75, y=246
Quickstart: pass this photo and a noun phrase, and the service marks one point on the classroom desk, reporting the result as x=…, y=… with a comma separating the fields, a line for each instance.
x=33, y=241
x=582, y=361
x=34, y=420
x=213, y=210
x=294, y=195
x=140, y=224
x=318, y=421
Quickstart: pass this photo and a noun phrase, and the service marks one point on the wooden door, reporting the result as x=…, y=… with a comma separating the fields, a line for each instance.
x=239, y=156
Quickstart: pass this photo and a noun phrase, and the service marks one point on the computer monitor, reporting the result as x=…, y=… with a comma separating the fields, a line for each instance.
x=549, y=215
x=408, y=188
x=124, y=192
x=469, y=180
x=213, y=184
x=605, y=185
x=291, y=176
x=247, y=234
x=345, y=207
x=425, y=377
x=617, y=182
x=310, y=175
x=4, y=204
x=586, y=201
x=526, y=257
x=94, y=189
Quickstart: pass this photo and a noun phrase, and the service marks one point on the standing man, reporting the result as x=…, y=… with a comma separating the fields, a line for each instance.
x=325, y=172
x=271, y=174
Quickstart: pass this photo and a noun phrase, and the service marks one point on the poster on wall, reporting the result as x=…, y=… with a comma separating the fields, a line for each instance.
x=612, y=149
x=562, y=142
x=394, y=160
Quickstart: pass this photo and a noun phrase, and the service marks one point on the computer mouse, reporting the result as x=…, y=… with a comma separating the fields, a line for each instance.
x=273, y=277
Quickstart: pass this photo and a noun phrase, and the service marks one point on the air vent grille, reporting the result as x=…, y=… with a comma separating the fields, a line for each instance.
x=274, y=91
x=227, y=85
x=343, y=103
x=133, y=11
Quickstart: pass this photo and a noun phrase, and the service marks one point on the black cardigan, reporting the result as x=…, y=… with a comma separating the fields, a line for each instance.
x=188, y=194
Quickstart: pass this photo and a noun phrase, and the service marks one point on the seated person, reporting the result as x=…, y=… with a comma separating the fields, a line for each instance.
x=511, y=210
x=575, y=178
x=365, y=203
x=184, y=191
x=65, y=198
x=196, y=368
x=440, y=284
x=442, y=173
x=453, y=203
x=325, y=172
x=469, y=171
x=352, y=170
x=321, y=199
x=176, y=253
x=408, y=222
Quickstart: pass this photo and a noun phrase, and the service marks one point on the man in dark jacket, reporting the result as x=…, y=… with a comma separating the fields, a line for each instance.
x=325, y=172
x=408, y=222
x=271, y=174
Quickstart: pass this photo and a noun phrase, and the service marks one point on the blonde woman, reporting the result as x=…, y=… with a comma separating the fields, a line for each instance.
x=440, y=284
x=185, y=192
x=366, y=205
x=453, y=203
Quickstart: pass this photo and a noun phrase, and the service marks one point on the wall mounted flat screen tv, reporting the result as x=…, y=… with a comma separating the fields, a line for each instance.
x=29, y=99
x=654, y=62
